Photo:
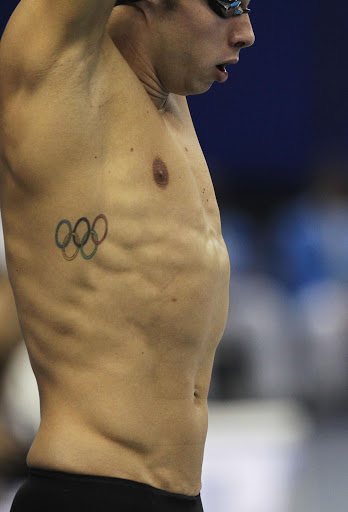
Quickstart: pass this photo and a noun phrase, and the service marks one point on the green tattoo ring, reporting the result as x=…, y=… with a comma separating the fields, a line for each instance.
x=83, y=241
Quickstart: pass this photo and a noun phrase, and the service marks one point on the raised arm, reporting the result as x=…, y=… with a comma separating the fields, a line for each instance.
x=39, y=32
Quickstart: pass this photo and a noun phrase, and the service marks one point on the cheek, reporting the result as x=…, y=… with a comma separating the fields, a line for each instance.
x=208, y=41
x=197, y=30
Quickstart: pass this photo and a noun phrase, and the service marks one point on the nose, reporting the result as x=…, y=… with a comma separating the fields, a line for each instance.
x=241, y=33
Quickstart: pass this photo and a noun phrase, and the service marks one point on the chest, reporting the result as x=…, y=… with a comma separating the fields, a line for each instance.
x=165, y=221
x=161, y=173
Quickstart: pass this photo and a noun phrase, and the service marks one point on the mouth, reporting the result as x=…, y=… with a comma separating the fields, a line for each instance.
x=221, y=74
x=221, y=67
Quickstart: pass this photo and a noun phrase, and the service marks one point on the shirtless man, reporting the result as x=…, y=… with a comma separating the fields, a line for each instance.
x=113, y=242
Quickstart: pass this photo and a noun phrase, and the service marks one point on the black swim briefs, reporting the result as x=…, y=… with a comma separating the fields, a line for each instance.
x=55, y=491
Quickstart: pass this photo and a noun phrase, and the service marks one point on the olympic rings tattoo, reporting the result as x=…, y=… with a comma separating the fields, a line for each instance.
x=81, y=242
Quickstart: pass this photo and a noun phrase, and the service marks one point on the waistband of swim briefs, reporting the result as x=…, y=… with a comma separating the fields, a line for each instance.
x=105, y=480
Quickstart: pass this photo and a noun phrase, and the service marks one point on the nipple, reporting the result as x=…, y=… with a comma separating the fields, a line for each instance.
x=160, y=173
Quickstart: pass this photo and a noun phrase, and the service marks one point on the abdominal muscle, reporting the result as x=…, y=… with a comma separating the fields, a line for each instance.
x=129, y=408
x=124, y=379
x=125, y=431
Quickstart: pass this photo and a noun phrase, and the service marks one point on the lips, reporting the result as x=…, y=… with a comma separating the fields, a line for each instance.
x=222, y=66
x=221, y=72
x=221, y=75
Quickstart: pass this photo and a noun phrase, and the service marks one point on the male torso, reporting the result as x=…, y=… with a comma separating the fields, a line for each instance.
x=122, y=342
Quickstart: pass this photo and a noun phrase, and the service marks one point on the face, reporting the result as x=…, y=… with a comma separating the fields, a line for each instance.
x=193, y=39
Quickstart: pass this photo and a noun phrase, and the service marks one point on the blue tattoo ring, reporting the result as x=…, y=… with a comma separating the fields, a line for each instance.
x=67, y=239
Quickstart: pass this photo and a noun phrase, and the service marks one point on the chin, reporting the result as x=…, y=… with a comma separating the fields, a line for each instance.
x=194, y=88
x=200, y=88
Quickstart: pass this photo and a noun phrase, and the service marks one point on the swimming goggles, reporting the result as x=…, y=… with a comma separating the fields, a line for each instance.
x=226, y=9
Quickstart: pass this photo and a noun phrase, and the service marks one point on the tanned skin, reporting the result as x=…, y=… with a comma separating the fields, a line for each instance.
x=113, y=235
x=10, y=337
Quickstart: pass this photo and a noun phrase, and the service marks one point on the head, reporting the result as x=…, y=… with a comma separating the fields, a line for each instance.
x=186, y=40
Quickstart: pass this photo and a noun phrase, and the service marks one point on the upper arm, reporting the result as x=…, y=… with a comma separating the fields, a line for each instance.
x=39, y=32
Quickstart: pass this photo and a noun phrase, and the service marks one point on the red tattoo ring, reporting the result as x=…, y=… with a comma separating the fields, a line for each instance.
x=98, y=242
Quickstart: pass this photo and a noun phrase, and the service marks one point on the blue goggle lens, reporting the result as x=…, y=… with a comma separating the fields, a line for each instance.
x=226, y=9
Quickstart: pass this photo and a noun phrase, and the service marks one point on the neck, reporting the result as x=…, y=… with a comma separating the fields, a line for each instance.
x=131, y=37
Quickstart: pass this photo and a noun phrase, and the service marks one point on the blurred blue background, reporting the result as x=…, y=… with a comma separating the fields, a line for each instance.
x=275, y=139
